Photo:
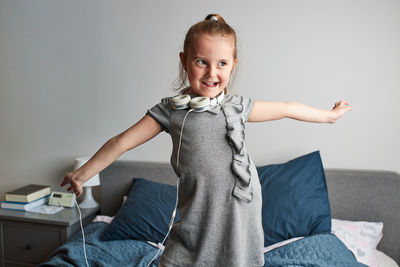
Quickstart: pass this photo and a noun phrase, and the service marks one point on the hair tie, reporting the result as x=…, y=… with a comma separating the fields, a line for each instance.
x=213, y=17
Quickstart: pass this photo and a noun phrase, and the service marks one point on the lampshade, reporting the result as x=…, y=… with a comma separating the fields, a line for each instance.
x=88, y=202
x=95, y=180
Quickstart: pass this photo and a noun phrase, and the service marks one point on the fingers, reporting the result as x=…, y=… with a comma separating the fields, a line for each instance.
x=67, y=178
x=76, y=190
x=64, y=181
x=336, y=104
x=74, y=185
x=342, y=104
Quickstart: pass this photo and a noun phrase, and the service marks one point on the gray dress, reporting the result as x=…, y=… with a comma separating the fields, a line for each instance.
x=220, y=194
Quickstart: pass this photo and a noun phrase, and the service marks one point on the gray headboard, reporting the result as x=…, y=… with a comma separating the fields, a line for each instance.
x=354, y=194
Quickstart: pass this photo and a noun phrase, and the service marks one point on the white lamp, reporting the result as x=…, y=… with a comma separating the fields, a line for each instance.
x=88, y=202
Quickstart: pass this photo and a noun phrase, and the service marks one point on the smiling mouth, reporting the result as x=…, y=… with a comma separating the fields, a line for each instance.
x=210, y=84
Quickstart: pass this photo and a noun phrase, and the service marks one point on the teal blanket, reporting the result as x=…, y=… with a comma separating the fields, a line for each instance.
x=323, y=250
x=100, y=253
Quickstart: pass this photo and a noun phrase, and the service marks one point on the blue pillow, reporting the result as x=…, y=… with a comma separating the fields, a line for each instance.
x=146, y=213
x=295, y=199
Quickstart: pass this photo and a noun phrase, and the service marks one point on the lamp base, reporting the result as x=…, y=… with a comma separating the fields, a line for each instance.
x=88, y=202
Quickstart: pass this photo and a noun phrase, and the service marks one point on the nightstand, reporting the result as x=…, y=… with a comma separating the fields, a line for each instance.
x=27, y=239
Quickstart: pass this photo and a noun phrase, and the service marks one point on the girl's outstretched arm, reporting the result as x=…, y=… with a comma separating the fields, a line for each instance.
x=267, y=111
x=141, y=132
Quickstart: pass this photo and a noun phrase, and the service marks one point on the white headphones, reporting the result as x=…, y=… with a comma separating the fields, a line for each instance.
x=198, y=104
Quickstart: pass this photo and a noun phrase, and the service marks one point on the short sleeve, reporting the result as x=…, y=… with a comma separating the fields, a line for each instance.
x=247, y=104
x=162, y=113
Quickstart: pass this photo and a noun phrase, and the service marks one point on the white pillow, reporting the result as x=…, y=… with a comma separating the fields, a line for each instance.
x=385, y=261
x=107, y=219
x=103, y=218
x=360, y=237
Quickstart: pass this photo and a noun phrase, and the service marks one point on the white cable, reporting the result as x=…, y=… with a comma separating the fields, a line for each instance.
x=180, y=142
x=170, y=224
x=83, y=233
x=177, y=189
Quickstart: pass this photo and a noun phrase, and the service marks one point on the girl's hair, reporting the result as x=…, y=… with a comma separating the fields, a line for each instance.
x=212, y=24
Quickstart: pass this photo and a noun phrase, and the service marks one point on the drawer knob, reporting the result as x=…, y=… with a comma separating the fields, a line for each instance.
x=28, y=247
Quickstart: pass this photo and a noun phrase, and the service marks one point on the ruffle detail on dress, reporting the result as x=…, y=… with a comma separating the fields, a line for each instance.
x=235, y=124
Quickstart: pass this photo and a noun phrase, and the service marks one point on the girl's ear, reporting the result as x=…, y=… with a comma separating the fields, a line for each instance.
x=235, y=62
x=183, y=61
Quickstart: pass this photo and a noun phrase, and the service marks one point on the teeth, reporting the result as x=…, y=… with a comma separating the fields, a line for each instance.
x=210, y=83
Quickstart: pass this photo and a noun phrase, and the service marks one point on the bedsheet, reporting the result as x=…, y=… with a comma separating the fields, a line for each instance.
x=322, y=250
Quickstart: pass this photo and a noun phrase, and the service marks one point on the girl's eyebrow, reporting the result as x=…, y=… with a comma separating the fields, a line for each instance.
x=198, y=56
x=202, y=57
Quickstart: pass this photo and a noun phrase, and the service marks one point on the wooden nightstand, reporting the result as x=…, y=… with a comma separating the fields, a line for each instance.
x=27, y=239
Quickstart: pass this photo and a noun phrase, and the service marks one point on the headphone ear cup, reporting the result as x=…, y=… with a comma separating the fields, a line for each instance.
x=199, y=104
x=180, y=101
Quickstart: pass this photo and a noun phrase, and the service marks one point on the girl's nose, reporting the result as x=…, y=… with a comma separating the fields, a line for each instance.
x=212, y=71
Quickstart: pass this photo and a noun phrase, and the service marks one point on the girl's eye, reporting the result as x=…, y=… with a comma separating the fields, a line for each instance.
x=222, y=63
x=201, y=62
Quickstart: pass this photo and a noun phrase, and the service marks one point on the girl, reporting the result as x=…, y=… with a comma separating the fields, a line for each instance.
x=219, y=196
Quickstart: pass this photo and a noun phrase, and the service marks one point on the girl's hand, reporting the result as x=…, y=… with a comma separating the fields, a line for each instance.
x=340, y=108
x=74, y=181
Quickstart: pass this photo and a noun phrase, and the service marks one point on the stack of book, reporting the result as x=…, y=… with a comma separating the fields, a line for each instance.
x=26, y=197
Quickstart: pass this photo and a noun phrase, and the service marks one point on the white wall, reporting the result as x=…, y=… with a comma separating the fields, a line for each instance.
x=74, y=73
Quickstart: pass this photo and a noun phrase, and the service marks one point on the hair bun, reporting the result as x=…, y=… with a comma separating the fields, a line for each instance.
x=216, y=17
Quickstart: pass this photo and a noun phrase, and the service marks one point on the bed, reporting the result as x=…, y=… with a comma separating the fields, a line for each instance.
x=363, y=212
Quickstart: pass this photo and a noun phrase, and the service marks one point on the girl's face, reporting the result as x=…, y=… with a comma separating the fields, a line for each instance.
x=209, y=64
